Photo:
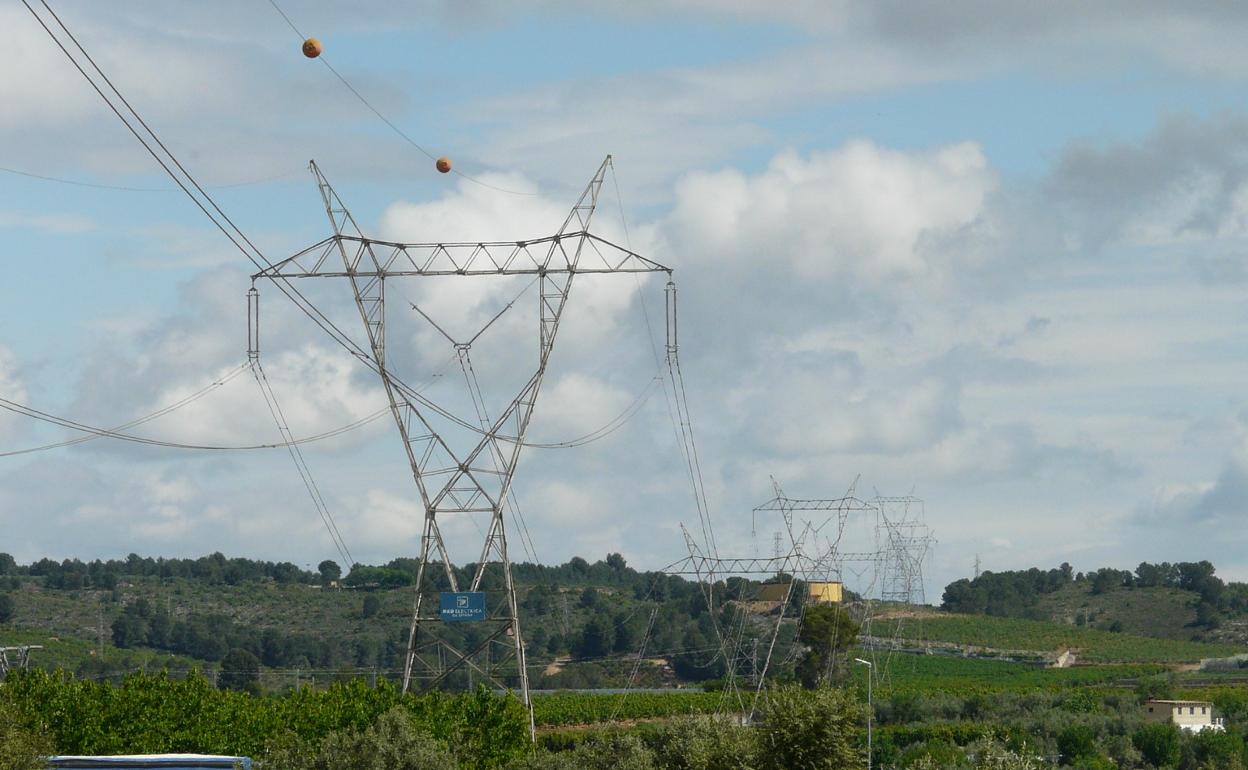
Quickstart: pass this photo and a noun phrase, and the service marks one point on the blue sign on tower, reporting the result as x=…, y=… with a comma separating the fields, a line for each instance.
x=463, y=605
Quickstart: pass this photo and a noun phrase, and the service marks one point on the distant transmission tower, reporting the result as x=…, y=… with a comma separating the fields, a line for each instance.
x=906, y=541
x=20, y=660
x=476, y=482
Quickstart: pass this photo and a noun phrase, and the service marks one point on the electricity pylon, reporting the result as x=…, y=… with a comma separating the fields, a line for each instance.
x=476, y=482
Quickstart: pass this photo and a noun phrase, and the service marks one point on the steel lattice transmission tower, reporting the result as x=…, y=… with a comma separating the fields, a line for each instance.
x=477, y=482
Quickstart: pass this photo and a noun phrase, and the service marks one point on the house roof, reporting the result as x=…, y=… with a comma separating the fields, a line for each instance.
x=1183, y=702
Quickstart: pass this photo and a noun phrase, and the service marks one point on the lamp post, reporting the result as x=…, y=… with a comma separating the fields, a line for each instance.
x=870, y=705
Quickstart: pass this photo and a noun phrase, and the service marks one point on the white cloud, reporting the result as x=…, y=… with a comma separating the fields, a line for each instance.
x=860, y=213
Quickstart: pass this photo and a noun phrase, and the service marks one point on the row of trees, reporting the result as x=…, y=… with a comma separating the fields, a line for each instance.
x=1017, y=593
x=73, y=574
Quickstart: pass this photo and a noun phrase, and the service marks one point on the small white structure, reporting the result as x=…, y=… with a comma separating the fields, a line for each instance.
x=1194, y=716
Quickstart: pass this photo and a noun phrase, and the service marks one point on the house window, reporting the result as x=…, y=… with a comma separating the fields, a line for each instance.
x=1150, y=709
x=1191, y=709
x=1203, y=709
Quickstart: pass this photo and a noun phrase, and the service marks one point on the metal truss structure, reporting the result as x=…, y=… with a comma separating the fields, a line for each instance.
x=803, y=561
x=813, y=532
x=21, y=659
x=477, y=482
x=905, y=542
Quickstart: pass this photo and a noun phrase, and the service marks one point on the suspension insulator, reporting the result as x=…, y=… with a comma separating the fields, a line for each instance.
x=443, y=164
x=312, y=48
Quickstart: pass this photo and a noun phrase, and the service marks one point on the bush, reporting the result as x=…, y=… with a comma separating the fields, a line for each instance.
x=7, y=608
x=705, y=743
x=393, y=743
x=22, y=749
x=1075, y=742
x=1159, y=743
x=814, y=729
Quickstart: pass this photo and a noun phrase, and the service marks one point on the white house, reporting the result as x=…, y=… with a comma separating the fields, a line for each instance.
x=1190, y=715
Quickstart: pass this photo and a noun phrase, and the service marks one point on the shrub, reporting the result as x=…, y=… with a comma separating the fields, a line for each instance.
x=814, y=729
x=1159, y=743
x=393, y=743
x=705, y=743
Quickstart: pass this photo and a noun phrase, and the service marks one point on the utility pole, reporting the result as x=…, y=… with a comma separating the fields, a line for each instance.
x=870, y=705
x=449, y=480
x=977, y=566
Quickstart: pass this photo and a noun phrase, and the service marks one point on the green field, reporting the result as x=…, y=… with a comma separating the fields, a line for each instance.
x=1091, y=645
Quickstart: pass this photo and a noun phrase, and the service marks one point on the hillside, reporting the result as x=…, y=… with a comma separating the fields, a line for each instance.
x=1183, y=601
x=584, y=622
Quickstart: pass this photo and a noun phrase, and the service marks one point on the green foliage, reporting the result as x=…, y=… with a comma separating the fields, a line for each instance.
x=576, y=708
x=392, y=743
x=1092, y=645
x=8, y=608
x=1210, y=749
x=810, y=730
x=370, y=607
x=1076, y=742
x=1159, y=743
x=152, y=714
x=827, y=631
x=20, y=748
x=240, y=670
x=706, y=743
x=1155, y=688
x=330, y=572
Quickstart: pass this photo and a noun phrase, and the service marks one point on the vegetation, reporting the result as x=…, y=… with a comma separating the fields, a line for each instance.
x=1092, y=645
x=1207, y=600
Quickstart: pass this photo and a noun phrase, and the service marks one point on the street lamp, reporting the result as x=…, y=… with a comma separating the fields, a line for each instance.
x=870, y=705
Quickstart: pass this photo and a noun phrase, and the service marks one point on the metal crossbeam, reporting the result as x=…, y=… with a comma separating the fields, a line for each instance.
x=480, y=480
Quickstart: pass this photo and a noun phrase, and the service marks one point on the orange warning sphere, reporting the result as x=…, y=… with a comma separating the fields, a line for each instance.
x=444, y=164
x=312, y=48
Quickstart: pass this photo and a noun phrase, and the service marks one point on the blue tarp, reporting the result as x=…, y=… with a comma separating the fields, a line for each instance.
x=166, y=761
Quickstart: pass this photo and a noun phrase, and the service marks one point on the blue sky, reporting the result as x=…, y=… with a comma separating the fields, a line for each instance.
x=990, y=254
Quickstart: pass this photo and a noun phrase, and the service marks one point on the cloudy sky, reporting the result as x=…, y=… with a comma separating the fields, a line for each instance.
x=989, y=255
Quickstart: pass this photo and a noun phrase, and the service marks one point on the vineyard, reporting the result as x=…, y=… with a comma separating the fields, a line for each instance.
x=1091, y=645
x=944, y=674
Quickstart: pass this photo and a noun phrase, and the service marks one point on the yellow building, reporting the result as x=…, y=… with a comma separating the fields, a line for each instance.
x=819, y=593
x=1190, y=715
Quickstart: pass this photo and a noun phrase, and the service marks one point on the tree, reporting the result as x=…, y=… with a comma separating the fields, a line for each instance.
x=7, y=564
x=7, y=608
x=589, y=597
x=1075, y=742
x=828, y=632
x=815, y=731
x=597, y=638
x=240, y=670
x=616, y=562
x=372, y=605
x=330, y=572
x=1159, y=743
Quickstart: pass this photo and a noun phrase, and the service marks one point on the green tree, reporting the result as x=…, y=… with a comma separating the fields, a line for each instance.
x=330, y=572
x=1159, y=743
x=21, y=749
x=820, y=730
x=372, y=605
x=1075, y=742
x=597, y=637
x=827, y=631
x=8, y=608
x=240, y=670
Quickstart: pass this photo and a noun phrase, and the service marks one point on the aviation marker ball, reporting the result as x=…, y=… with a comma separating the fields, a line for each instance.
x=311, y=48
x=444, y=164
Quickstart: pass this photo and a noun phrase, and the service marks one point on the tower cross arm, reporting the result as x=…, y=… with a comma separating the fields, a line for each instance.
x=572, y=252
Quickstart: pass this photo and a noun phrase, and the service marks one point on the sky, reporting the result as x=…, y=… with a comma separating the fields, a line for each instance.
x=989, y=255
